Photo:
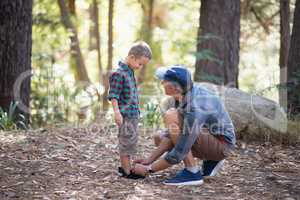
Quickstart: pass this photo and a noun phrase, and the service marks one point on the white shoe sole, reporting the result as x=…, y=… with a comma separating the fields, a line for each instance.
x=217, y=168
x=186, y=183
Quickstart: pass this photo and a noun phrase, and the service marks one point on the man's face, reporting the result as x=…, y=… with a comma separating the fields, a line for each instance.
x=138, y=63
x=170, y=88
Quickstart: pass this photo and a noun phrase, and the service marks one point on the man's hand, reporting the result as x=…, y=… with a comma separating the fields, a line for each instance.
x=118, y=118
x=142, y=161
x=140, y=169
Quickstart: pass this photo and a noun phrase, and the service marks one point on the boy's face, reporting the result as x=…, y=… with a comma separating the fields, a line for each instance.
x=137, y=63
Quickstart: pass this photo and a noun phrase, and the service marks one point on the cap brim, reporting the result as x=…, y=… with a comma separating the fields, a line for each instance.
x=160, y=72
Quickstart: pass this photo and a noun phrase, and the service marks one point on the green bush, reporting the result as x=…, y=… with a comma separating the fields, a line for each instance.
x=9, y=120
x=151, y=116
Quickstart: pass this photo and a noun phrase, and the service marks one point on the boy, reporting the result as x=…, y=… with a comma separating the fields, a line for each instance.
x=124, y=98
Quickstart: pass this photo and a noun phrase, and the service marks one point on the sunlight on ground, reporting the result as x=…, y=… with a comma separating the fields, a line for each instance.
x=8, y=138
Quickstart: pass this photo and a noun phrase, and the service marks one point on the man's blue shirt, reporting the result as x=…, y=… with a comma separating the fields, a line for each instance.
x=200, y=109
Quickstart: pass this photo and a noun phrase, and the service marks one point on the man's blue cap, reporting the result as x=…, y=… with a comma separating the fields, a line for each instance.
x=176, y=73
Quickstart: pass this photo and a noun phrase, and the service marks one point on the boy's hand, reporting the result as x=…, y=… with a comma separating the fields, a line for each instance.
x=118, y=118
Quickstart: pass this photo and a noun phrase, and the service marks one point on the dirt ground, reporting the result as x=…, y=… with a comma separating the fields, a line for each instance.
x=81, y=163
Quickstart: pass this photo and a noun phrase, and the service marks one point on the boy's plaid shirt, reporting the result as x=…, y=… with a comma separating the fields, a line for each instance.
x=123, y=88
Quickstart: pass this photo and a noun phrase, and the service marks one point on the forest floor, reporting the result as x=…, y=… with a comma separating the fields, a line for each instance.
x=81, y=163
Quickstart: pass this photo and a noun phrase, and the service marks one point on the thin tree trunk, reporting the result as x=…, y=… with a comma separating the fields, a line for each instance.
x=110, y=52
x=293, y=73
x=72, y=7
x=76, y=55
x=98, y=39
x=15, y=54
x=146, y=31
x=95, y=36
x=284, y=49
x=95, y=40
x=94, y=21
x=220, y=24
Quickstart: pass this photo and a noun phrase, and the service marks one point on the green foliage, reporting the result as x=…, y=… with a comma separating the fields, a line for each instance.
x=55, y=99
x=151, y=116
x=9, y=120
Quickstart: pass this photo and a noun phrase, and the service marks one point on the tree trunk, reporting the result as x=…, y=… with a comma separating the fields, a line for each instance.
x=284, y=49
x=95, y=37
x=146, y=31
x=15, y=54
x=110, y=52
x=77, y=61
x=72, y=7
x=293, y=71
x=218, y=42
x=94, y=25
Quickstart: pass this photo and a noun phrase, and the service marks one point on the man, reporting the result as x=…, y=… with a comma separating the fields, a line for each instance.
x=199, y=127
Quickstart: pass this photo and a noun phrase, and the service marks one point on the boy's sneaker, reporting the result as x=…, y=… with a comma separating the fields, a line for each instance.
x=211, y=167
x=122, y=173
x=185, y=177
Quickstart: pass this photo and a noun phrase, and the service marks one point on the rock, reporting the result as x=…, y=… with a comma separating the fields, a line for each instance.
x=251, y=113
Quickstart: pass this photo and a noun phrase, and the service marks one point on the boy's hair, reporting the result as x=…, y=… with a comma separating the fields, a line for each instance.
x=140, y=49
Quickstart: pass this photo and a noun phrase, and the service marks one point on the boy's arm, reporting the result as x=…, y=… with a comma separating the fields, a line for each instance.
x=115, y=88
x=118, y=116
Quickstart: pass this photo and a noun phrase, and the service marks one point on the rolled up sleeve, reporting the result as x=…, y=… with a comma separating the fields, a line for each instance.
x=191, y=130
x=115, y=86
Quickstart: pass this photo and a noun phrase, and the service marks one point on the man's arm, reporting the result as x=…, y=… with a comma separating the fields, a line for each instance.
x=185, y=141
x=191, y=129
x=164, y=146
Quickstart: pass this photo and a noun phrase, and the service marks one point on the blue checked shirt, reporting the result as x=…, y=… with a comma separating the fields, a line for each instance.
x=123, y=88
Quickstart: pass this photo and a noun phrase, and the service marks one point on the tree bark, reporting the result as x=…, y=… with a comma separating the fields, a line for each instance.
x=15, y=54
x=293, y=72
x=284, y=49
x=218, y=38
x=110, y=52
x=77, y=61
x=95, y=37
x=146, y=31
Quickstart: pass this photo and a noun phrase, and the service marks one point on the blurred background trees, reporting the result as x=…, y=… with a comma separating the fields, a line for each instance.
x=76, y=43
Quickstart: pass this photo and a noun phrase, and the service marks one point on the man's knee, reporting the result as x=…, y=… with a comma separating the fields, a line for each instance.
x=172, y=113
x=172, y=118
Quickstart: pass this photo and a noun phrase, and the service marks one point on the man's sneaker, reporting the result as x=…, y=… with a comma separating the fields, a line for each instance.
x=211, y=167
x=122, y=173
x=185, y=177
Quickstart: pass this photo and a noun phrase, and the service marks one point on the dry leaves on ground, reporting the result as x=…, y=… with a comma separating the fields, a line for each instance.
x=81, y=163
